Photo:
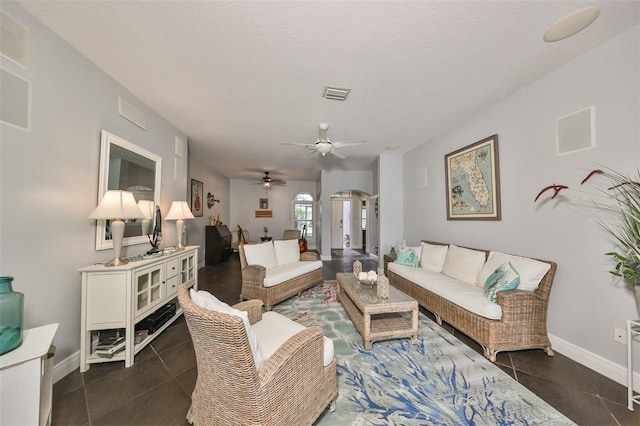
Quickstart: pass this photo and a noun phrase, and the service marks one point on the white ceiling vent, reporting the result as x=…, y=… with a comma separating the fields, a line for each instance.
x=335, y=93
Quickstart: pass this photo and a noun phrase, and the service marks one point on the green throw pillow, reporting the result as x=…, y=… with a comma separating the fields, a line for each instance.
x=406, y=256
x=505, y=277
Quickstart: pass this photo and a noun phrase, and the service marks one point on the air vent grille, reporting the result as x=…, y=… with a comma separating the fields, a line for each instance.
x=335, y=93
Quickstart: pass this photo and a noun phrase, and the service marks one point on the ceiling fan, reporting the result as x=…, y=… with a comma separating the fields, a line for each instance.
x=324, y=145
x=267, y=181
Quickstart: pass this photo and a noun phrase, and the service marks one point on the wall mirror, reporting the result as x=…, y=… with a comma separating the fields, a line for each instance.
x=126, y=166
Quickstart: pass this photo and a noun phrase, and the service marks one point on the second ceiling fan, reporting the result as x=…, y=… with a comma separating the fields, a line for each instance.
x=324, y=145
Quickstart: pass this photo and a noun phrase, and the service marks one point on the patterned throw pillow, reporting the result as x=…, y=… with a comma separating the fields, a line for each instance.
x=505, y=277
x=407, y=256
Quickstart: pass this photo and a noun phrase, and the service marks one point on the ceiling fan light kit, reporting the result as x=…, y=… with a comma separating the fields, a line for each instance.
x=268, y=182
x=324, y=145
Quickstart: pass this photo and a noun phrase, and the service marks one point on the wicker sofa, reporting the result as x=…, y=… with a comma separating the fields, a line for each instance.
x=518, y=319
x=275, y=277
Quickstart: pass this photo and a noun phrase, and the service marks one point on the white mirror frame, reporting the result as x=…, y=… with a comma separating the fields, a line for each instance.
x=109, y=139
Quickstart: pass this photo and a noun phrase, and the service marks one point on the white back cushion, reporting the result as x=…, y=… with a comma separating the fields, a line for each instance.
x=531, y=271
x=261, y=254
x=433, y=257
x=463, y=264
x=287, y=251
x=208, y=301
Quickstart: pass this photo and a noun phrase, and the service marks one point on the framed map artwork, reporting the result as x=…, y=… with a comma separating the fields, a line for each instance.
x=473, y=181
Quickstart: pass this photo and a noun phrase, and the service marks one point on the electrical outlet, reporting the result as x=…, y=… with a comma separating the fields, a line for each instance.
x=620, y=335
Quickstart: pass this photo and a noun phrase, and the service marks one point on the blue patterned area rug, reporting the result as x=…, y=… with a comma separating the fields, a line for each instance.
x=438, y=381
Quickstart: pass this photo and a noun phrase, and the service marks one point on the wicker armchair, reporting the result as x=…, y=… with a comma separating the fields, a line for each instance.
x=291, y=388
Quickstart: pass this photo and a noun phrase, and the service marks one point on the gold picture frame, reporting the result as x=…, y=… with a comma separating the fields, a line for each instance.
x=473, y=181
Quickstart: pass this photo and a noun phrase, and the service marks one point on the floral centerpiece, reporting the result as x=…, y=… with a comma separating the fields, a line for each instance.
x=370, y=277
x=621, y=199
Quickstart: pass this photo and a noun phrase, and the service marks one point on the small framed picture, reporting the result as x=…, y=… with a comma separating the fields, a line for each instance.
x=196, y=198
x=264, y=203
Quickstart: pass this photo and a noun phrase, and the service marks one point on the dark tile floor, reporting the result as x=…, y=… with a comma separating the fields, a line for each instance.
x=156, y=389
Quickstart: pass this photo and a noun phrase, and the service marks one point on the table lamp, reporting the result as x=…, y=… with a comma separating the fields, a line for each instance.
x=147, y=207
x=179, y=211
x=117, y=205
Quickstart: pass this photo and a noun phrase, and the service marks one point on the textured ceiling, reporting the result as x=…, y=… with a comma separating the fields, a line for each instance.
x=241, y=77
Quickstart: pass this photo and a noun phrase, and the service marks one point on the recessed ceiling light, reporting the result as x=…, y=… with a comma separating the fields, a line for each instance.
x=571, y=24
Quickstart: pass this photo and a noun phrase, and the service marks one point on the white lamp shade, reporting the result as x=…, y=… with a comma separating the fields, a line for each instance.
x=179, y=210
x=117, y=204
x=147, y=207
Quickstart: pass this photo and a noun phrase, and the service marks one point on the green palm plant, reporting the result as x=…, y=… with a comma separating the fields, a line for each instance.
x=621, y=199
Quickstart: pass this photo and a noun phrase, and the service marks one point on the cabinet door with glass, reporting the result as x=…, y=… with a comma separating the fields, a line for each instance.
x=149, y=289
x=188, y=268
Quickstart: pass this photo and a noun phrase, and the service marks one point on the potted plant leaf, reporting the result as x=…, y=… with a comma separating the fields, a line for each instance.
x=621, y=199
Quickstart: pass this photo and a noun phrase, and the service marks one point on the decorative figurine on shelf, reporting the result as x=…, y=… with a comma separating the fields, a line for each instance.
x=218, y=221
x=266, y=237
x=156, y=237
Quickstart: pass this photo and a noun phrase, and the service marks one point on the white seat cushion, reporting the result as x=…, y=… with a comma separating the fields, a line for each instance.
x=465, y=295
x=287, y=251
x=261, y=254
x=433, y=257
x=208, y=301
x=463, y=264
x=530, y=270
x=282, y=273
x=275, y=329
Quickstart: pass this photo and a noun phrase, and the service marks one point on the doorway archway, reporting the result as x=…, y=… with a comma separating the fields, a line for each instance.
x=350, y=217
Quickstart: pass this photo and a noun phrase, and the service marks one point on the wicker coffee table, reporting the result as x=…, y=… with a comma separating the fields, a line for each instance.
x=375, y=318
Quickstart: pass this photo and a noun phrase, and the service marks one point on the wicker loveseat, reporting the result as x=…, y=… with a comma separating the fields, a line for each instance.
x=291, y=382
x=274, y=281
x=518, y=319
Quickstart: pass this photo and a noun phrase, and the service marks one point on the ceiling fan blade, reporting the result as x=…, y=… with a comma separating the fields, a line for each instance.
x=346, y=143
x=337, y=154
x=297, y=144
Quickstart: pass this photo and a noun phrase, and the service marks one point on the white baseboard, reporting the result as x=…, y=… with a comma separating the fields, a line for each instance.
x=615, y=372
x=66, y=366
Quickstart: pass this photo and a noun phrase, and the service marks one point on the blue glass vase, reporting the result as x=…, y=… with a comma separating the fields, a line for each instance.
x=11, y=308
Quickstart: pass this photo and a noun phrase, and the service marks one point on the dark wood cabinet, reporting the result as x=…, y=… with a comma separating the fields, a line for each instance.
x=217, y=244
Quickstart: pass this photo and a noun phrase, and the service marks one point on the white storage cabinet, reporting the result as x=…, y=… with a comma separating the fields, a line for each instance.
x=119, y=297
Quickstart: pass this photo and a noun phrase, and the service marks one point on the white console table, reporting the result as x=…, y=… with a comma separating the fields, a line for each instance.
x=26, y=379
x=119, y=297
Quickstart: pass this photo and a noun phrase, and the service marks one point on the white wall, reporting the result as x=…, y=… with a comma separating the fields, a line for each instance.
x=49, y=178
x=586, y=303
x=245, y=200
x=391, y=204
x=217, y=184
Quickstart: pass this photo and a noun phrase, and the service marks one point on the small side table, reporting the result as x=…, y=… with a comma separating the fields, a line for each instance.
x=388, y=258
x=633, y=331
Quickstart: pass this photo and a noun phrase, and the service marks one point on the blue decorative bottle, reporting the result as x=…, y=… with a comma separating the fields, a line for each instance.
x=11, y=307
